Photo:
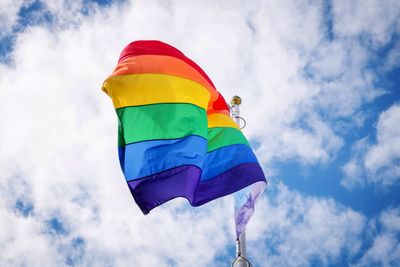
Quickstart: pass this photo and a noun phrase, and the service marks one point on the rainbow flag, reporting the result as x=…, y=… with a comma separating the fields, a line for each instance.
x=175, y=134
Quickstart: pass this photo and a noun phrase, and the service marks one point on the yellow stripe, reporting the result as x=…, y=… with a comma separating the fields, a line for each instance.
x=220, y=120
x=144, y=89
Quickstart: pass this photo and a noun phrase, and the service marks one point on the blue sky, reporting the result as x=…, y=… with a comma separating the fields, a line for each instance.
x=320, y=87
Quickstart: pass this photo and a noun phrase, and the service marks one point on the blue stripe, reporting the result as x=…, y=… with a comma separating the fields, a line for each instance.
x=225, y=158
x=150, y=157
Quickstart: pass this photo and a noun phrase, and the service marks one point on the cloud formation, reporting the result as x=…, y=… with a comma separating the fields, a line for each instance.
x=376, y=161
x=294, y=230
x=8, y=15
x=377, y=20
x=385, y=247
x=382, y=159
x=303, y=92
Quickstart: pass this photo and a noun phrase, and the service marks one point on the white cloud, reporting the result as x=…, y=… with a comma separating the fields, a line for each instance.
x=353, y=175
x=294, y=230
x=382, y=159
x=376, y=19
x=393, y=58
x=376, y=162
x=58, y=133
x=23, y=244
x=353, y=170
x=8, y=15
x=385, y=247
x=309, y=146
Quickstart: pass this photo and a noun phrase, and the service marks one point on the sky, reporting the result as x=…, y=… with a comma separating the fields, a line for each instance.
x=320, y=87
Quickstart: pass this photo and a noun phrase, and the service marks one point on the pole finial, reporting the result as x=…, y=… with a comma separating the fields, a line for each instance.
x=236, y=100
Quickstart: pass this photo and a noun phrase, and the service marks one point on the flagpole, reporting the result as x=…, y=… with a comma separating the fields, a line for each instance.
x=240, y=260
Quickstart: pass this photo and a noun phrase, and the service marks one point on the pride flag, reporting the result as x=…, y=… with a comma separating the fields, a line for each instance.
x=175, y=134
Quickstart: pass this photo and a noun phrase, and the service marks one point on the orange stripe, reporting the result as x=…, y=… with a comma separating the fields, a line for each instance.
x=213, y=111
x=163, y=65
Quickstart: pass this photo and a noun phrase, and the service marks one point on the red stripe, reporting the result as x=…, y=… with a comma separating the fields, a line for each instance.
x=153, y=47
x=220, y=104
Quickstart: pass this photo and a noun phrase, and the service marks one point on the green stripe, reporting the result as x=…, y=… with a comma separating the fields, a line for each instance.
x=224, y=136
x=121, y=139
x=160, y=121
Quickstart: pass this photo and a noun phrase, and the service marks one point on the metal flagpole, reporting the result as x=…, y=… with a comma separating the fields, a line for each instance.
x=240, y=260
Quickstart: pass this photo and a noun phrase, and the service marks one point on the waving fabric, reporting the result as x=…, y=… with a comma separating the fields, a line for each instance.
x=175, y=136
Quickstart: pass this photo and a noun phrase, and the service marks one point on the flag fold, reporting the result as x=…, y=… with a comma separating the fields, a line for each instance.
x=175, y=134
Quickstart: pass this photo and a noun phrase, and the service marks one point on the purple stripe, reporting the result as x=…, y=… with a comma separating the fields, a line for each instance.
x=228, y=182
x=154, y=190
x=183, y=181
